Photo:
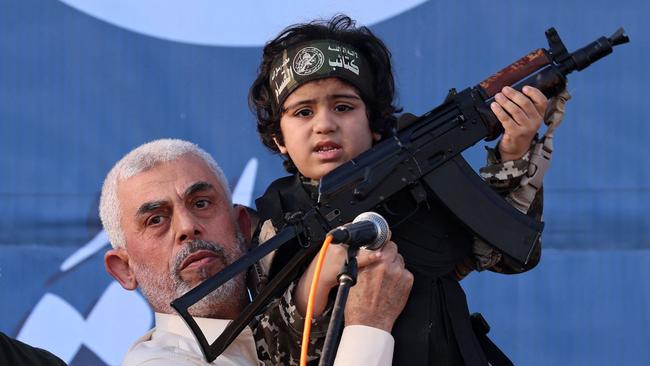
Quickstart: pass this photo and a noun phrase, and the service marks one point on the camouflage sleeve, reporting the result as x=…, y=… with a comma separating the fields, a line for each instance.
x=278, y=332
x=504, y=178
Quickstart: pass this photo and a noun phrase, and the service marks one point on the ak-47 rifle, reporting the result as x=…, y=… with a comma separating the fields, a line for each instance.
x=426, y=152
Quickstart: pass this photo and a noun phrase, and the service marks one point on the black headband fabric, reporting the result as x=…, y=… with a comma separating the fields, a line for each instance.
x=313, y=60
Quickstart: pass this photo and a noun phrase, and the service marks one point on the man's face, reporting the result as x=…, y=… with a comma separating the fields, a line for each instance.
x=180, y=229
x=324, y=124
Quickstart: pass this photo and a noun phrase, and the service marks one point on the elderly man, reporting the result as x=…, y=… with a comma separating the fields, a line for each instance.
x=167, y=210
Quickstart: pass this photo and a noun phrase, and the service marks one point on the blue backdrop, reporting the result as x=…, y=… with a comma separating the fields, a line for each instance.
x=82, y=83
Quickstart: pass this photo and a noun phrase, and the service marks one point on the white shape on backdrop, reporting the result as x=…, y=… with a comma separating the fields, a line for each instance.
x=118, y=318
x=243, y=192
x=86, y=251
x=54, y=325
x=244, y=23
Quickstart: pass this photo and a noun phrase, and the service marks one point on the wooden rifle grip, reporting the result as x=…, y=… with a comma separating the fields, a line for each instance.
x=515, y=72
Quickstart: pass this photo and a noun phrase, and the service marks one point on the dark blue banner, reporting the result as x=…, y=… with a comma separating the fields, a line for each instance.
x=83, y=82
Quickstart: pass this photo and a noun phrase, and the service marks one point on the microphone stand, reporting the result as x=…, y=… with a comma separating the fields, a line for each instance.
x=347, y=278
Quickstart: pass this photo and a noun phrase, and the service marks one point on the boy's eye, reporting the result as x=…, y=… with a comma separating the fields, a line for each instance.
x=303, y=113
x=343, y=108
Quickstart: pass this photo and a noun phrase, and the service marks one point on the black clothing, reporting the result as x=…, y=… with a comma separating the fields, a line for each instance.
x=16, y=353
x=434, y=328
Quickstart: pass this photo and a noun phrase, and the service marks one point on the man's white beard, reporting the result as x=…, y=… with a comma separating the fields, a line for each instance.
x=160, y=290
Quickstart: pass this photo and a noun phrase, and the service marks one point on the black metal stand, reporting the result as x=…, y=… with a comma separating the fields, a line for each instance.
x=347, y=278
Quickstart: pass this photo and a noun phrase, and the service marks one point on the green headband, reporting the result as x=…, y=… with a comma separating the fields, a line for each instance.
x=319, y=59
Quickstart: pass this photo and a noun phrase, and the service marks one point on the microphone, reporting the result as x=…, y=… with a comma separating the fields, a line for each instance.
x=369, y=230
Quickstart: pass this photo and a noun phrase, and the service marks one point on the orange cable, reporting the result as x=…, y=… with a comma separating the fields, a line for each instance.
x=310, y=301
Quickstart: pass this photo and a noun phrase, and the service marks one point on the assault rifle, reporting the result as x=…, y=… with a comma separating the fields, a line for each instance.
x=426, y=152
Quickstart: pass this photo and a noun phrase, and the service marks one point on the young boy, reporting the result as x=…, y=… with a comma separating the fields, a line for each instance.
x=323, y=95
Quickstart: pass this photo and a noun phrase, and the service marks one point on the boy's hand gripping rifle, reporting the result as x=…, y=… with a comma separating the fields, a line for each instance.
x=426, y=152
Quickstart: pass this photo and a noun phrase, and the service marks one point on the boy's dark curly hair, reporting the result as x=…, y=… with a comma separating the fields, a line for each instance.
x=379, y=107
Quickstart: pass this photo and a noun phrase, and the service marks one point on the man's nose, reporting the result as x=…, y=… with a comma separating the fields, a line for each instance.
x=188, y=226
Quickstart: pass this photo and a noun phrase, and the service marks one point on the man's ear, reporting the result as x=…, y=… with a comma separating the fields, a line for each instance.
x=282, y=148
x=376, y=136
x=117, y=264
x=243, y=219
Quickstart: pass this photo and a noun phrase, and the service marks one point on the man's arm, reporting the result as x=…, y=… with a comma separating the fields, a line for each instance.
x=383, y=285
x=373, y=305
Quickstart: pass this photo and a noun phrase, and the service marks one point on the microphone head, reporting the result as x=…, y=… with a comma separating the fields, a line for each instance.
x=381, y=225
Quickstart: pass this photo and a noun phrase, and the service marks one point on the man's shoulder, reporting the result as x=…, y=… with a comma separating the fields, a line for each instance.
x=16, y=353
x=160, y=349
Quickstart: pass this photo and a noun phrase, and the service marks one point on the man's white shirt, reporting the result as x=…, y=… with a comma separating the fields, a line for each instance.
x=172, y=343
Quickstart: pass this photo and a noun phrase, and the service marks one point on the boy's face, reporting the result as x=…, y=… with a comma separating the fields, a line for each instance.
x=324, y=124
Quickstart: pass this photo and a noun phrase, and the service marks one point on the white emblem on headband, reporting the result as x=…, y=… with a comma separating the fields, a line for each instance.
x=308, y=60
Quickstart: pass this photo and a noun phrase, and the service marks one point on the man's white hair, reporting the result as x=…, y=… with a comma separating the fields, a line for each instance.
x=139, y=160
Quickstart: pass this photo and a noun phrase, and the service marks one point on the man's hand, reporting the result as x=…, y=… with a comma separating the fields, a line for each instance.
x=334, y=260
x=521, y=116
x=382, y=288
